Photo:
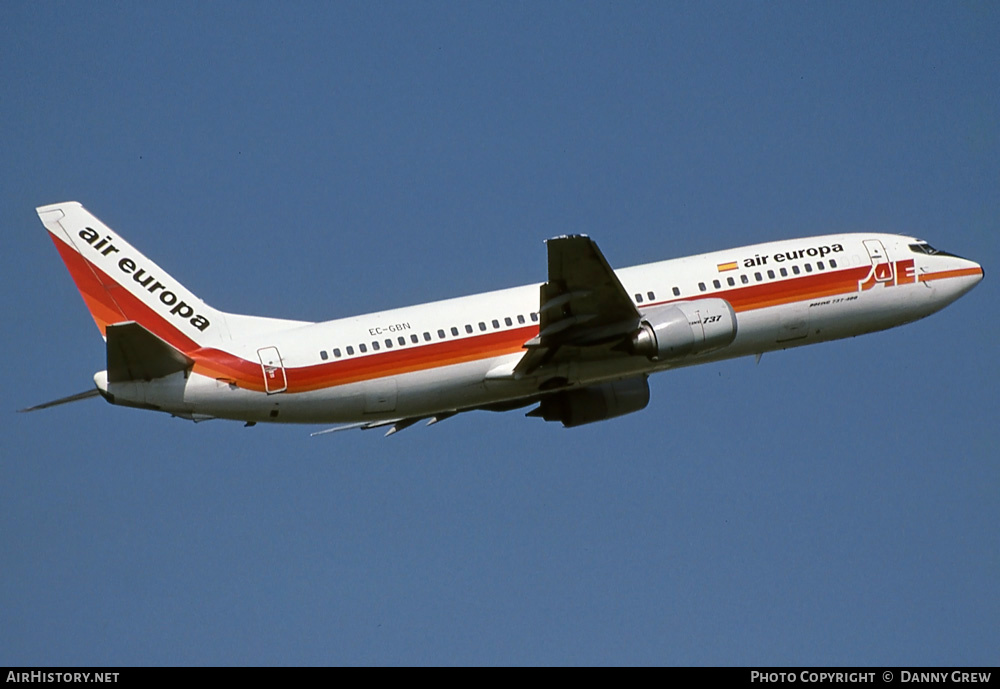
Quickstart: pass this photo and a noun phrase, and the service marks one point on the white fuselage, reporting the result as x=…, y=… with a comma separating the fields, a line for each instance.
x=446, y=356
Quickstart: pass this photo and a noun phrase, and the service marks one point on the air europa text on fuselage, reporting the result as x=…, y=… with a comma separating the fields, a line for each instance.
x=781, y=256
x=178, y=308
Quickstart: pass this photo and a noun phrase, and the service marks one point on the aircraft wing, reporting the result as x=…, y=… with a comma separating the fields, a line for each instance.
x=582, y=304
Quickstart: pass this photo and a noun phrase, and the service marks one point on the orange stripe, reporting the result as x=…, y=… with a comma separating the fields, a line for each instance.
x=214, y=363
x=802, y=288
x=425, y=357
x=87, y=278
x=945, y=274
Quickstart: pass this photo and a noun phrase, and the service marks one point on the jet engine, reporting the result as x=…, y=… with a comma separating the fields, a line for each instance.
x=687, y=327
x=595, y=402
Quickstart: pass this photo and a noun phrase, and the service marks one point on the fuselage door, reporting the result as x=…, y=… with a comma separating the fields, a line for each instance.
x=880, y=260
x=274, y=370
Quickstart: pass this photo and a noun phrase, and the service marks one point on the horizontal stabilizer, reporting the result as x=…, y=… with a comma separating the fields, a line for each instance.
x=134, y=353
x=65, y=400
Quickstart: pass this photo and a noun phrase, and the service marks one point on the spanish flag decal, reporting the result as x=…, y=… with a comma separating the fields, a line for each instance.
x=723, y=267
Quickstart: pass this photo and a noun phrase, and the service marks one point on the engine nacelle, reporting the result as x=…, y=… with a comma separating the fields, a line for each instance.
x=684, y=328
x=595, y=402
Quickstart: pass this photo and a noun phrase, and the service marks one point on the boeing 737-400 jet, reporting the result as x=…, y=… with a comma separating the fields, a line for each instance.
x=579, y=347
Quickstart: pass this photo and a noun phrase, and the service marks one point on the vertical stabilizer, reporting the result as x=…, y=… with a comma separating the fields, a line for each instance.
x=119, y=284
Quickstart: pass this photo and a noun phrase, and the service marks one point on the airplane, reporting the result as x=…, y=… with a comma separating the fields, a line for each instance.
x=578, y=347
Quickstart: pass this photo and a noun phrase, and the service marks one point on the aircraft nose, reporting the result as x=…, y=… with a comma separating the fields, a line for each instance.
x=973, y=271
x=969, y=274
x=951, y=278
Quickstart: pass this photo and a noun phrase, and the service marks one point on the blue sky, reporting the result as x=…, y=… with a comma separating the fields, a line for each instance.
x=835, y=504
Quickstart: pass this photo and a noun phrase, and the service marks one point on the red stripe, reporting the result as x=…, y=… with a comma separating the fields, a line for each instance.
x=802, y=288
x=109, y=303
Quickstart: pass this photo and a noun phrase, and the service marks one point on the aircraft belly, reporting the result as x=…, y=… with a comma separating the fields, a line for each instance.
x=408, y=395
x=422, y=392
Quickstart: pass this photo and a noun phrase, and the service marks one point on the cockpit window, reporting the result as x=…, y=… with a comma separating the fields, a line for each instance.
x=925, y=248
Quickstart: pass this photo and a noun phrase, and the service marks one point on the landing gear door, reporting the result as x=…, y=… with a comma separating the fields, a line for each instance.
x=880, y=261
x=274, y=370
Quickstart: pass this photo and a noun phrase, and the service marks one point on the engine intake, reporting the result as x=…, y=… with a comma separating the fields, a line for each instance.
x=685, y=328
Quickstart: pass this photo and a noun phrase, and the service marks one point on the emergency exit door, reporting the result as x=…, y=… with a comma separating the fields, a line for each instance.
x=274, y=370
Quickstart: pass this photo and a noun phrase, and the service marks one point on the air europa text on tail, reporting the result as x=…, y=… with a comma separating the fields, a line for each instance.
x=178, y=308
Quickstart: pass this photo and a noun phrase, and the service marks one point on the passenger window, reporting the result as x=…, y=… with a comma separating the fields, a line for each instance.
x=336, y=352
x=784, y=272
x=322, y=354
x=701, y=287
x=716, y=284
x=732, y=282
x=795, y=269
x=413, y=338
x=363, y=348
x=427, y=336
x=770, y=275
x=819, y=265
x=496, y=324
x=520, y=319
x=758, y=277
x=809, y=268
x=468, y=328
x=350, y=350
x=482, y=326
x=441, y=334
x=638, y=299
x=454, y=331
x=534, y=317
x=388, y=343
x=508, y=321
x=375, y=345
x=833, y=263
x=652, y=296
x=677, y=291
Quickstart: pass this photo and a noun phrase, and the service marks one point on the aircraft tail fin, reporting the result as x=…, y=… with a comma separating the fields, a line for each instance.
x=121, y=285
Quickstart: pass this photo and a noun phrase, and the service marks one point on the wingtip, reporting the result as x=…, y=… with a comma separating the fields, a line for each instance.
x=568, y=236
